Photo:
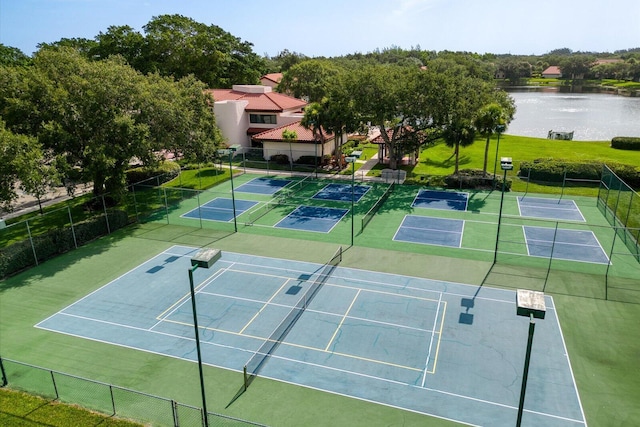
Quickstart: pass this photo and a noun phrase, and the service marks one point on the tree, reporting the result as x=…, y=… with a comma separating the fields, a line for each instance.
x=19, y=157
x=576, y=66
x=398, y=101
x=490, y=119
x=99, y=115
x=308, y=79
x=315, y=119
x=458, y=133
x=178, y=46
x=12, y=56
x=290, y=136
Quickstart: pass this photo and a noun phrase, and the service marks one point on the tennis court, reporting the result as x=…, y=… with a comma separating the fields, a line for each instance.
x=430, y=231
x=263, y=186
x=446, y=200
x=438, y=348
x=342, y=192
x=573, y=245
x=220, y=209
x=554, y=209
x=312, y=218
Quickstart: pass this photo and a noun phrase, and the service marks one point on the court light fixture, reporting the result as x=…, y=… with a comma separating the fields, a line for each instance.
x=205, y=258
x=506, y=164
x=499, y=130
x=229, y=152
x=529, y=304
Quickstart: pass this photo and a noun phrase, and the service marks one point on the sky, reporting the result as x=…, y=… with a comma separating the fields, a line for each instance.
x=340, y=27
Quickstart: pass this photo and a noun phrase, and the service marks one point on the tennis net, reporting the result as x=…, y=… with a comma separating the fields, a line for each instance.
x=262, y=210
x=374, y=209
x=256, y=362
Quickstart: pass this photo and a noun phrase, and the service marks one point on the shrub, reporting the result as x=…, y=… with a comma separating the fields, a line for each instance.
x=281, y=159
x=474, y=179
x=165, y=172
x=626, y=143
x=310, y=160
x=19, y=256
x=553, y=170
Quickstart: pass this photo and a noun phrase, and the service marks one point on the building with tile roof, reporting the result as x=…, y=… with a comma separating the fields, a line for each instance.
x=246, y=110
x=552, y=72
x=273, y=142
x=272, y=79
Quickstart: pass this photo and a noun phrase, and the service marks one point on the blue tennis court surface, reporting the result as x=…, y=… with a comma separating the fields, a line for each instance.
x=446, y=200
x=438, y=348
x=559, y=209
x=430, y=231
x=342, y=192
x=312, y=218
x=219, y=209
x=572, y=245
x=263, y=186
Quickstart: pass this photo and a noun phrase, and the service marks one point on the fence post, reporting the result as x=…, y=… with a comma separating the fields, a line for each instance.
x=135, y=202
x=4, y=374
x=113, y=400
x=174, y=411
x=55, y=386
x=73, y=230
x=35, y=255
x=606, y=274
x=106, y=216
x=166, y=203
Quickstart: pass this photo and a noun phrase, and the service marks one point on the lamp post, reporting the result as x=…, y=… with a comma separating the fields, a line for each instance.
x=352, y=160
x=229, y=152
x=529, y=304
x=506, y=163
x=205, y=258
x=499, y=130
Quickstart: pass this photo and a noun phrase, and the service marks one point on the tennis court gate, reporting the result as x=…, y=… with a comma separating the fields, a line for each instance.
x=108, y=399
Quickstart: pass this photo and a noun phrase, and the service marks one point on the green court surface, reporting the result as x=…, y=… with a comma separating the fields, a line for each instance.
x=598, y=317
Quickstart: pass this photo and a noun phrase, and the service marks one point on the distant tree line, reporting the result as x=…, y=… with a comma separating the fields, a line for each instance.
x=80, y=110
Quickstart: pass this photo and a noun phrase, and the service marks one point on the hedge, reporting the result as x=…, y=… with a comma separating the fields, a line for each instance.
x=626, y=143
x=166, y=171
x=19, y=256
x=475, y=179
x=553, y=170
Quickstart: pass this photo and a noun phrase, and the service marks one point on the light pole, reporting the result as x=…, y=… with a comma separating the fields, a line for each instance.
x=205, y=258
x=529, y=304
x=352, y=160
x=499, y=130
x=506, y=163
x=229, y=152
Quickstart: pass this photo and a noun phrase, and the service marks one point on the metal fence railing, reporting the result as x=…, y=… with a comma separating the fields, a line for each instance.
x=107, y=398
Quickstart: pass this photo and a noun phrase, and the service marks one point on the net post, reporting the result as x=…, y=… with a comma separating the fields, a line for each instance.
x=246, y=378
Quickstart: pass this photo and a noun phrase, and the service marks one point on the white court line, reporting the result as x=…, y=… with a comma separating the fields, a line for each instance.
x=433, y=332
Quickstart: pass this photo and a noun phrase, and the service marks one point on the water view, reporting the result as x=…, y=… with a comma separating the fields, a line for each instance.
x=592, y=116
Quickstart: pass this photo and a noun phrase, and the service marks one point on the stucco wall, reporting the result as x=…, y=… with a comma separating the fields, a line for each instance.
x=232, y=121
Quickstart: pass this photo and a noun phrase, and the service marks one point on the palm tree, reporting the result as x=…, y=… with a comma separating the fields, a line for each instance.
x=458, y=133
x=488, y=121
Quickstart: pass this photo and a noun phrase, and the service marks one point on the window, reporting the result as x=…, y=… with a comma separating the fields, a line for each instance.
x=269, y=119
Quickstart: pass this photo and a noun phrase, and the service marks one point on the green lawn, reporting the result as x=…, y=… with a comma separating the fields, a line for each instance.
x=24, y=410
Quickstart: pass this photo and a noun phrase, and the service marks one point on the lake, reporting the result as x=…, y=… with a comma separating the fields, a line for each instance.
x=592, y=116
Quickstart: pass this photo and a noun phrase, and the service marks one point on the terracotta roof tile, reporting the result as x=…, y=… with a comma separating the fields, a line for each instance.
x=304, y=135
x=268, y=101
x=274, y=77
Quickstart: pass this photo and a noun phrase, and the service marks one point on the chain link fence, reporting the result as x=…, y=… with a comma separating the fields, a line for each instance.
x=107, y=398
